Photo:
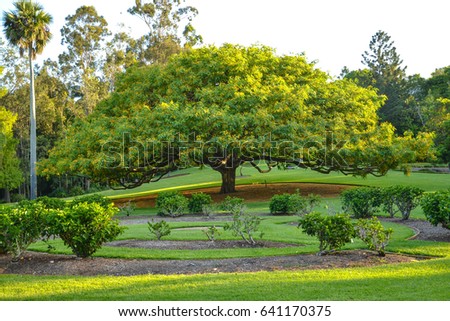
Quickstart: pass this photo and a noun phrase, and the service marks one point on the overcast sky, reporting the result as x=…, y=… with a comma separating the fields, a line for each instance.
x=334, y=33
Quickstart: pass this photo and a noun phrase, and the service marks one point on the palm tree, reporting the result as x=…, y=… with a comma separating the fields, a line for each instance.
x=27, y=27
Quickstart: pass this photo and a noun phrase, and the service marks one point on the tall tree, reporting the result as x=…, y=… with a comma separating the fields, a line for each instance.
x=385, y=64
x=222, y=107
x=27, y=27
x=84, y=34
x=164, y=18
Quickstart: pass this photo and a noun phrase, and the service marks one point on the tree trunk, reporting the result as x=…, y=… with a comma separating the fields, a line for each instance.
x=7, y=197
x=228, y=180
x=33, y=178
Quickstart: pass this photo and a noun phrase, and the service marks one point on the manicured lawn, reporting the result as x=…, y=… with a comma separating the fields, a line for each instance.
x=421, y=281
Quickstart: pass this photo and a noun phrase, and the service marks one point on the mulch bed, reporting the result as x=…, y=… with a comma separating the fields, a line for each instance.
x=254, y=192
x=50, y=264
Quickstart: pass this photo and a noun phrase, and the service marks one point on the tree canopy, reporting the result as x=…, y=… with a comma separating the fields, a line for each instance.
x=222, y=107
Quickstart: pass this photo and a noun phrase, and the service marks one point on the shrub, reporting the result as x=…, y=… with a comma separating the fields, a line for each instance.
x=51, y=203
x=197, y=201
x=388, y=197
x=171, y=204
x=208, y=210
x=233, y=205
x=159, y=229
x=245, y=226
x=93, y=198
x=211, y=233
x=76, y=190
x=279, y=204
x=84, y=227
x=332, y=231
x=436, y=207
x=21, y=226
x=371, y=232
x=300, y=205
x=406, y=198
x=361, y=202
x=127, y=208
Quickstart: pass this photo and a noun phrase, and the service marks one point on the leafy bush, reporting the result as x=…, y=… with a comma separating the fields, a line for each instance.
x=245, y=226
x=361, y=202
x=21, y=226
x=171, y=204
x=93, y=198
x=211, y=233
x=332, y=231
x=436, y=207
x=84, y=227
x=279, y=204
x=233, y=205
x=76, y=190
x=51, y=203
x=127, y=208
x=388, y=197
x=371, y=232
x=197, y=201
x=406, y=198
x=159, y=229
x=208, y=210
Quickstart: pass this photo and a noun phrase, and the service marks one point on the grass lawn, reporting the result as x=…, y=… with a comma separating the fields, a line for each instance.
x=421, y=281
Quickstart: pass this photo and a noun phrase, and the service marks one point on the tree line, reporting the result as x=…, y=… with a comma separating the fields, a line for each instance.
x=102, y=77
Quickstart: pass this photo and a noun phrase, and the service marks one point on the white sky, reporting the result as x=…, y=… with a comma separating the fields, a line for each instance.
x=333, y=32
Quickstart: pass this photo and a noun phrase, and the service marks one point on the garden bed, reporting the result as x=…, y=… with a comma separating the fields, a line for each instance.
x=50, y=264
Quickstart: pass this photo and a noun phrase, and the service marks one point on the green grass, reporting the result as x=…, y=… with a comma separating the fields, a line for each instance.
x=417, y=281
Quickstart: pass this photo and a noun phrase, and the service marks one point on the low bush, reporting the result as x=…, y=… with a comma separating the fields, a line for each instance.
x=171, y=204
x=361, y=202
x=233, y=205
x=279, y=204
x=293, y=203
x=93, y=198
x=128, y=208
x=85, y=227
x=211, y=233
x=21, y=226
x=51, y=202
x=244, y=225
x=159, y=229
x=371, y=232
x=406, y=198
x=197, y=201
x=436, y=207
x=333, y=232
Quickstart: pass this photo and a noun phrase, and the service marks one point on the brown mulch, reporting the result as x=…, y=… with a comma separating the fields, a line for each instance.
x=253, y=193
x=50, y=264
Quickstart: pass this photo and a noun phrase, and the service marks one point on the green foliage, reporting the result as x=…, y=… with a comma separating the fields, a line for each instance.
x=211, y=233
x=198, y=201
x=128, y=208
x=171, y=203
x=371, y=232
x=233, y=205
x=21, y=226
x=159, y=229
x=332, y=231
x=85, y=226
x=244, y=225
x=279, y=204
x=293, y=203
x=361, y=202
x=436, y=207
x=104, y=202
x=51, y=203
x=406, y=198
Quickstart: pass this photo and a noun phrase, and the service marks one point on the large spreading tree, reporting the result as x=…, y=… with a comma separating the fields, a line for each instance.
x=27, y=27
x=223, y=107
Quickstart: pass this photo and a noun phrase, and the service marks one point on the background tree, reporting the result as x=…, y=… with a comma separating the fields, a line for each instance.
x=10, y=173
x=389, y=76
x=84, y=34
x=166, y=20
x=222, y=107
x=28, y=29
